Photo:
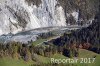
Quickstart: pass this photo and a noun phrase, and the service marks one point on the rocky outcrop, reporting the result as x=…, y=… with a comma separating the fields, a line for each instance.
x=34, y=2
x=86, y=8
x=22, y=15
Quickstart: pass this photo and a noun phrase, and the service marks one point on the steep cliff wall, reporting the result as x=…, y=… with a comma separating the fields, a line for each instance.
x=21, y=15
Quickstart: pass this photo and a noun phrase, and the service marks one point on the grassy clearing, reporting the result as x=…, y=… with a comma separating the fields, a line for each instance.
x=38, y=41
x=89, y=54
x=82, y=54
x=86, y=53
x=12, y=62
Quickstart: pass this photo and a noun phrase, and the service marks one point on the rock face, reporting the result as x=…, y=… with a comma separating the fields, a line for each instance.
x=21, y=15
